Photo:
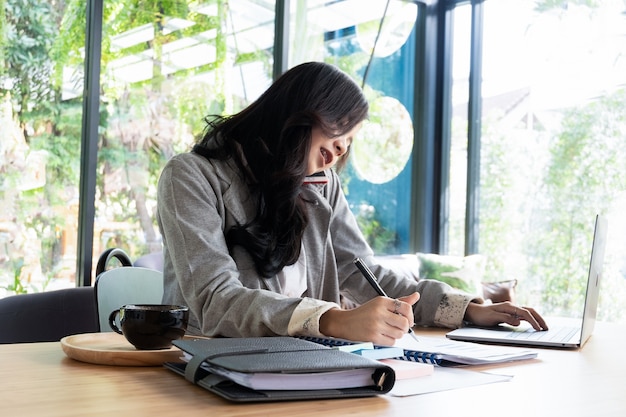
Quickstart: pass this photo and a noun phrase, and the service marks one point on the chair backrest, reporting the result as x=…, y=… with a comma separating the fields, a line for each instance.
x=108, y=256
x=126, y=285
x=153, y=260
x=47, y=316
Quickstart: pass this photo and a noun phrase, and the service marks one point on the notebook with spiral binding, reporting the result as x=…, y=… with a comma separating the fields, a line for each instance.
x=443, y=352
x=278, y=369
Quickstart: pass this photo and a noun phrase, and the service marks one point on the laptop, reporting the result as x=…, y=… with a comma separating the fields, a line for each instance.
x=566, y=333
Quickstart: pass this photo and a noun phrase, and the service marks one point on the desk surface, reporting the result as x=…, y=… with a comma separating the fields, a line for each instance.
x=39, y=380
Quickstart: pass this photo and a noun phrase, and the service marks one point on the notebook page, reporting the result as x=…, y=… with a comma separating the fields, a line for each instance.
x=464, y=352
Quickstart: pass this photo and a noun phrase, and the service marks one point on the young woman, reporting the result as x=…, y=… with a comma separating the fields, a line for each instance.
x=258, y=237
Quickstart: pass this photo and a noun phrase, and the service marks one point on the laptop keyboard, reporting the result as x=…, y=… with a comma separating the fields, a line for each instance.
x=561, y=334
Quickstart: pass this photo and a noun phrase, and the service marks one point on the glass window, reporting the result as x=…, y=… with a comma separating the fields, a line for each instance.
x=163, y=71
x=380, y=58
x=460, y=45
x=553, y=152
x=553, y=101
x=40, y=124
x=164, y=67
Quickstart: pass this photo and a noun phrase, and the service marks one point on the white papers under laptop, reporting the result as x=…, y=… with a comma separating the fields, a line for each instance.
x=570, y=333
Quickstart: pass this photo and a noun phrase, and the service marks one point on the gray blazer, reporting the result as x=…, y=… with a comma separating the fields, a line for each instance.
x=199, y=200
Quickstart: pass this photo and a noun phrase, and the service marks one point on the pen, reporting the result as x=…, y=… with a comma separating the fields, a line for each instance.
x=369, y=276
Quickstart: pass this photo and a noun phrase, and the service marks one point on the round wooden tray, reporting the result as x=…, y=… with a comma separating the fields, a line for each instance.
x=110, y=348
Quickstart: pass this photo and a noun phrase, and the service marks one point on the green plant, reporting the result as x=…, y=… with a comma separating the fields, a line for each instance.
x=380, y=239
x=16, y=286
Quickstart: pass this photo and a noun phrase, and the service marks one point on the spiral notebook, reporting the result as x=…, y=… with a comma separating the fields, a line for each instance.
x=443, y=352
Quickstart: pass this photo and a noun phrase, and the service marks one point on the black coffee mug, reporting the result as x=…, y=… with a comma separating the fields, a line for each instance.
x=151, y=326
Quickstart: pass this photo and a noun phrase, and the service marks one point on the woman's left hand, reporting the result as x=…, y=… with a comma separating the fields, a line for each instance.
x=506, y=312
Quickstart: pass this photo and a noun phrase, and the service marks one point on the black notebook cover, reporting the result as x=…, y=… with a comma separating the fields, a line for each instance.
x=275, y=355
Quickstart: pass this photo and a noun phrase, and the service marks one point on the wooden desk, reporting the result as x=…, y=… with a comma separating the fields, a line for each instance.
x=39, y=380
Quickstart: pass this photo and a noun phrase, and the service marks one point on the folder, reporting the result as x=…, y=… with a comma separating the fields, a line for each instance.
x=279, y=368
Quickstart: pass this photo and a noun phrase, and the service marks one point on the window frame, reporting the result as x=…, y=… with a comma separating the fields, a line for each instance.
x=431, y=118
x=89, y=143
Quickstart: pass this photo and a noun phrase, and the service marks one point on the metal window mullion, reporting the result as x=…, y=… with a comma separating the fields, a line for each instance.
x=443, y=121
x=281, y=37
x=425, y=201
x=472, y=206
x=89, y=142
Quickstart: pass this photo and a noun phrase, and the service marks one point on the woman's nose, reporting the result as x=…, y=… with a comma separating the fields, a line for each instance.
x=341, y=146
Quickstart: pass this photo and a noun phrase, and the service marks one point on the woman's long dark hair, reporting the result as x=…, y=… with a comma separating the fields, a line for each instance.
x=270, y=141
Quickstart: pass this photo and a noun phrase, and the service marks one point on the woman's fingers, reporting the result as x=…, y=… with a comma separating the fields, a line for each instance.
x=505, y=312
x=517, y=313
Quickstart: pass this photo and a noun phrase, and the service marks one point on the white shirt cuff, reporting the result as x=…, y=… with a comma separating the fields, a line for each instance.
x=305, y=320
x=452, y=308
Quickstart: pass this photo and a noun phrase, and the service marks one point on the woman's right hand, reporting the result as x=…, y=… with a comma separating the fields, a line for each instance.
x=381, y=320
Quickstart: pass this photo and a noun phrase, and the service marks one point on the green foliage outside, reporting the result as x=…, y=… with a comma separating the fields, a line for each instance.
x=380, y=238
x=586, y=174
x=431, y=269
x=562, y=176
x=140, y=127
x=38, y=129
x=541, y=204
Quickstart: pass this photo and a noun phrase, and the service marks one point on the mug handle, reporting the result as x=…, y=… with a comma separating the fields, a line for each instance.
x=112, y=321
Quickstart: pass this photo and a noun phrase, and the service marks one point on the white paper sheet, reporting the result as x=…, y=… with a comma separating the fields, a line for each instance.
x=444, y=379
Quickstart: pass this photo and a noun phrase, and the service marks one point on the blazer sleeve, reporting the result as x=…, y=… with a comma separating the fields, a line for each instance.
x=440, y=305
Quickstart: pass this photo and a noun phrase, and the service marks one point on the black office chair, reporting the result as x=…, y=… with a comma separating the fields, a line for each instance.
x=48, y=316
x=51, y=315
